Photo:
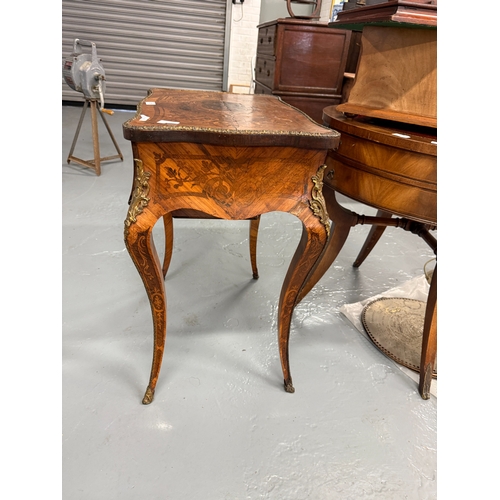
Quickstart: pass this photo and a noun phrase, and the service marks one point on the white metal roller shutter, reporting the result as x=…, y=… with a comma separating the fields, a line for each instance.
x=150, y=43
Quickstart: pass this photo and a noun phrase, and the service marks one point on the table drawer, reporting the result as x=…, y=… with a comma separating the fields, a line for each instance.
x=387, y=186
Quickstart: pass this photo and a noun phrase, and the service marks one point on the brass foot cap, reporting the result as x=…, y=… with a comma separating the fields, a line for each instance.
x=148, y=397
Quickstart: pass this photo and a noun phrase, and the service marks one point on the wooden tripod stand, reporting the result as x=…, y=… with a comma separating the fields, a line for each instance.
x=95, y=163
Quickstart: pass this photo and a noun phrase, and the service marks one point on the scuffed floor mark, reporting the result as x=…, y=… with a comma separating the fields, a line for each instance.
x=191, y=319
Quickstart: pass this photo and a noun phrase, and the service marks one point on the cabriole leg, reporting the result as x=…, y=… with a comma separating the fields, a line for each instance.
x=309, y=249
x=254, y=230
x=342, y=221
x=169, y=242
x=142, y=251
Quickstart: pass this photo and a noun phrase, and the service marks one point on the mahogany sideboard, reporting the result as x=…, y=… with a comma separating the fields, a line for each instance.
x=230, y=156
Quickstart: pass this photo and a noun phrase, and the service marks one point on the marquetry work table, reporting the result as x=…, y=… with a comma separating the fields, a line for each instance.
x=229, y=156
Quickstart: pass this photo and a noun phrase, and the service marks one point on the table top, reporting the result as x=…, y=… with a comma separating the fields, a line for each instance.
x=221, y=118
x=384, y=164
x=421, y=14
x=400, y=135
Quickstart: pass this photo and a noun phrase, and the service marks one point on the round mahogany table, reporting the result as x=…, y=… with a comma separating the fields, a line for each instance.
x=393, y=168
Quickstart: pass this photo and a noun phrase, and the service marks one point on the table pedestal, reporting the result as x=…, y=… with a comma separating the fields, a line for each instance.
x=393, y=168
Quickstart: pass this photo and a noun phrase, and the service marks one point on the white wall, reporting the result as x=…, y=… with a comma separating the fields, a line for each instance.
x=326, y=7
x=275, y=9
x=243, y=43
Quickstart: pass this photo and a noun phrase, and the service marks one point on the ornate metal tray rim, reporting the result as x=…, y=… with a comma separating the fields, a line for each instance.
x=376, y=341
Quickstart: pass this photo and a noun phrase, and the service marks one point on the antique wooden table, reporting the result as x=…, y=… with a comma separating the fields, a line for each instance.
x=388, y=153
x=392, y=167
x=229, y=156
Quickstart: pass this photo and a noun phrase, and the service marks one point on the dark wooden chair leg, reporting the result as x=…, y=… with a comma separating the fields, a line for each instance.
x=373, y=236
x=254, y=230
x=429, y=340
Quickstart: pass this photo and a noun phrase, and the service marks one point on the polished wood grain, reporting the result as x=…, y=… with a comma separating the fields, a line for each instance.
x=229, y=156
x=220, y=118
x=388, y=153
x=389, y=166
x=421, y=13
x=429, y=340
x=374, y=236
x=392, y=167
x=396, y=77
x=302, y=62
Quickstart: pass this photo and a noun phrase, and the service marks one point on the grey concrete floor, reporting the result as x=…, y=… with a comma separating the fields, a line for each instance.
x=221, y=425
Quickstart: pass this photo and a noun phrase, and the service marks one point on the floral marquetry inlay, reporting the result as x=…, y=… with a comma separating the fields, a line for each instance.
x=218, y=178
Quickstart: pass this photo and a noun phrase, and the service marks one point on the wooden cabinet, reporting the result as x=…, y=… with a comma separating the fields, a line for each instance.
x=302, y=62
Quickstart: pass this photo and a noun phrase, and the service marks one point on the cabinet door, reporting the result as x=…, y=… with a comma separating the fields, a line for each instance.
x=311, y=59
